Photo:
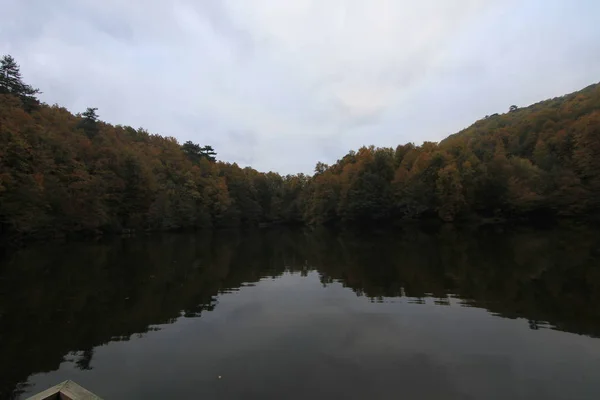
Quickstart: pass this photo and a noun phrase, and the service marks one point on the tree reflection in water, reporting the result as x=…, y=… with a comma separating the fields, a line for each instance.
x=61, y=300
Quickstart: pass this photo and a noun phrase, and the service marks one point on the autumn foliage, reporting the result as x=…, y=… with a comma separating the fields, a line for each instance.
x=541, y=161
x=63, y=173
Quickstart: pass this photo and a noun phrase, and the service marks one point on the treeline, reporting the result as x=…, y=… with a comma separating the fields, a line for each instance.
x=543, y=160
x=64, y=173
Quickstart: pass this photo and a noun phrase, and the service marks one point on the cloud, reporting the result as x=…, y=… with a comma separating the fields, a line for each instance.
x=282, y=85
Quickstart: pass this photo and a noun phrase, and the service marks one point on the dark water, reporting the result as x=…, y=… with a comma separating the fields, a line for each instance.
x=278, y=314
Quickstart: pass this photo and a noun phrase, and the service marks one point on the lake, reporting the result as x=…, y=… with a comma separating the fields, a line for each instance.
x=435, y=313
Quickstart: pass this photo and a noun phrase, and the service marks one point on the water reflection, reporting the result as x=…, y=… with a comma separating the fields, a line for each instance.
x=60, y=302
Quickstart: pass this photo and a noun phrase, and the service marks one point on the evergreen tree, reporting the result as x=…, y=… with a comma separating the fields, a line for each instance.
x=11, y=82
x=209, y=153
x=195, y=153
x=89, y=122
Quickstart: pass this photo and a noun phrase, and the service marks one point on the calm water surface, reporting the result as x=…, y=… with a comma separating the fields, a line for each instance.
x=280, y=314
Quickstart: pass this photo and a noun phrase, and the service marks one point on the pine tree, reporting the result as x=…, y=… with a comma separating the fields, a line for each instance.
x=89, y=122
x=209, y=153
x=196, y=153
x=11, y=82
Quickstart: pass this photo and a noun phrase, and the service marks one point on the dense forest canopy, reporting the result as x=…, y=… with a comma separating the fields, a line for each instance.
x=63, y=173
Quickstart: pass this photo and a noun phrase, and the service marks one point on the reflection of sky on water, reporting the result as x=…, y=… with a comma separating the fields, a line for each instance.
x=291, y=337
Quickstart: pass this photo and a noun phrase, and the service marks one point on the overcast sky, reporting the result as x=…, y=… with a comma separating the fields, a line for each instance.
x=282, y=84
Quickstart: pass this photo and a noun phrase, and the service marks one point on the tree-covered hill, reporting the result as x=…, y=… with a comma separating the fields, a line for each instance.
x=541, y=160
x=74, y=174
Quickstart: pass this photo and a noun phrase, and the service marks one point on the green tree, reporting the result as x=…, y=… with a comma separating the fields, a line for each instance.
x=11, y=82
x=209, y=153
x=196, y=153
x=89, y=122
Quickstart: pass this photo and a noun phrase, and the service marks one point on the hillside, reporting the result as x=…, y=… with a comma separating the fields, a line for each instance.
x=542, y=160
x=74, y=174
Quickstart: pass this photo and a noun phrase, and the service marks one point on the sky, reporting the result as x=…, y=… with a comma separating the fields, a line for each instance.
x=279, y=85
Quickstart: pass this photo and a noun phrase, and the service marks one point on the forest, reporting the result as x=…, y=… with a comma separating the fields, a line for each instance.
x=65, y=174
